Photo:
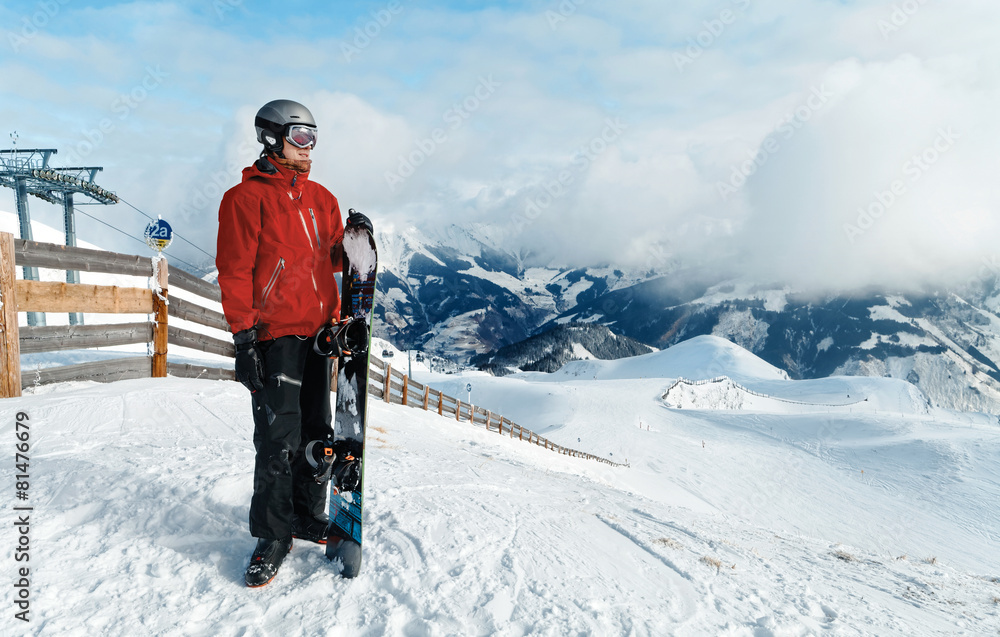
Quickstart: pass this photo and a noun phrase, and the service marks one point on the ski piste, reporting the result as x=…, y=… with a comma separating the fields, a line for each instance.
x=350, y=416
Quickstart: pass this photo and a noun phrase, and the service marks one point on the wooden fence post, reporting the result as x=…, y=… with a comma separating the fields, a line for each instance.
x=427, y=396
x=388, y=382
x=440, y=404
x=160, y=317
x=10, y=348
x=406, y=390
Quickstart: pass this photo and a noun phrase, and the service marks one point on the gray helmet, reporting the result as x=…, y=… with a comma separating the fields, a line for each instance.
x=274, y=118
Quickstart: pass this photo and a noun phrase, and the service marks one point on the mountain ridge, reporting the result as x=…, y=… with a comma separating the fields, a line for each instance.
x=461, y=297
x=549, y=351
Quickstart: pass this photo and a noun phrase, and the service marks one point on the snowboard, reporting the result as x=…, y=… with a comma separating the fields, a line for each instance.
x=357, y=300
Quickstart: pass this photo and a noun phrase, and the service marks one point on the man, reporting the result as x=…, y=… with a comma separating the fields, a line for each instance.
x=279, y=246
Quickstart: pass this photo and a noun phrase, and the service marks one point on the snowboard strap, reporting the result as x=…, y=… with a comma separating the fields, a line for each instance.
x=350, y=337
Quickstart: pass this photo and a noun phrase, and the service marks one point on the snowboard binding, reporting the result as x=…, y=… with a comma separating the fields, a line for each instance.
x=349, y=338
x=339, y=461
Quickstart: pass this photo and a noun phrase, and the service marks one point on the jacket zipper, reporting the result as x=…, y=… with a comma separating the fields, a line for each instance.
x=319, y=244
x=305, y=229
x=270, y=284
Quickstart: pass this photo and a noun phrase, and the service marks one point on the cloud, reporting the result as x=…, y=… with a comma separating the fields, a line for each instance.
x=599, y=137
x=887, y=185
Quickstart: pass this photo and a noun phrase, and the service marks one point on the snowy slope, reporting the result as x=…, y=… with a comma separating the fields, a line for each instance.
x=742, y=523
x=699, y=358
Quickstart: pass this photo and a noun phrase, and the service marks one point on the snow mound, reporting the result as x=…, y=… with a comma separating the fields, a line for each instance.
x=699, y=358
x=839, y=393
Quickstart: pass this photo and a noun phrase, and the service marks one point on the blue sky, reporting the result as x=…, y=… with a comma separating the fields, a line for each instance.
x=763, y=135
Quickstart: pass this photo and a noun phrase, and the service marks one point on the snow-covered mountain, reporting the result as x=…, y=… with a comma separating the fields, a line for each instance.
x=461, y=293
x=550, y=350
x=763, y=507
x=945, y=343
x=458, y=295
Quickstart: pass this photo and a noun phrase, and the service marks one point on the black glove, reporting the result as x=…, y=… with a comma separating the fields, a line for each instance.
x=249, y=368
x=355, y=218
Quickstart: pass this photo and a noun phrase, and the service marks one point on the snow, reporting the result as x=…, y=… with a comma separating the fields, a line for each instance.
x=459, y=335
x=887, y=312
x=782, y=518
x=741, y=326
x=774, y=300
x=698, y=358
x=825, y=344
x=582, y=353
x=359, y=253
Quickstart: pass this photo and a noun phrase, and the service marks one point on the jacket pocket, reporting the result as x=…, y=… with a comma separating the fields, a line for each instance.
x=278, y=269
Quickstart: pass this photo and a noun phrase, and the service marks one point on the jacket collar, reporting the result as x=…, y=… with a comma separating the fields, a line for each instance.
x=265, y=168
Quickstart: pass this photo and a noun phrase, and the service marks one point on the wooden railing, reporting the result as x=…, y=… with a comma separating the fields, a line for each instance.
x=396, y=388
x=17, y=295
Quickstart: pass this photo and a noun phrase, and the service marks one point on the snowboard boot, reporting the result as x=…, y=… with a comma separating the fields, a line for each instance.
x=313, y=529
x=266, y=559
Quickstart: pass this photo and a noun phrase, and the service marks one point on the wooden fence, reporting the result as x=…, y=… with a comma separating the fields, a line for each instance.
x=396, y=388
x=18, y=295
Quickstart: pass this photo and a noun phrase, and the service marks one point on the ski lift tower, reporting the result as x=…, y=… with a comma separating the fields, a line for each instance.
x=27, y=171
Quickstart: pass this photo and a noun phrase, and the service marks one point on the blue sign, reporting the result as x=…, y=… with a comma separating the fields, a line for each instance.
x=159, y=235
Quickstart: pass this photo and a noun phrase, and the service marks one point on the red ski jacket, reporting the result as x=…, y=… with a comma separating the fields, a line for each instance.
x=278, y=248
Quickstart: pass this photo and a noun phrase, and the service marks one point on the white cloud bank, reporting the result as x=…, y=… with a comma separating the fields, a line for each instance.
x=827, y=145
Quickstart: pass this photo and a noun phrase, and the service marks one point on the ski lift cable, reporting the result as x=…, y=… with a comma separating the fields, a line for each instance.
x=143, y=242
x=176, y=234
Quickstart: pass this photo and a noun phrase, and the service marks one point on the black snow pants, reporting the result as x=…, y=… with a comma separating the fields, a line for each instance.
x=291, y=410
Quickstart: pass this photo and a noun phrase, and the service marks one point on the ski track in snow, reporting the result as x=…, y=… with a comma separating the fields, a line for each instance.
x=727, y=522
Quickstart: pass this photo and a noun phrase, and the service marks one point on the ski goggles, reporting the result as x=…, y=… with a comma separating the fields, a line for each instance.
x=301, y=136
